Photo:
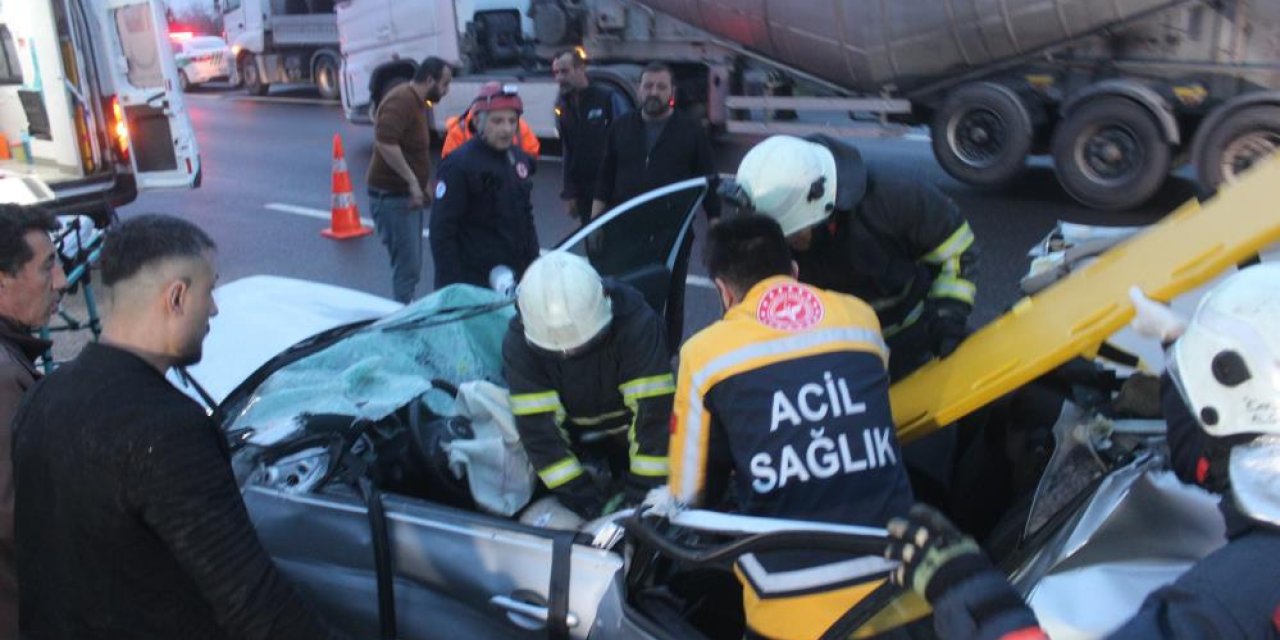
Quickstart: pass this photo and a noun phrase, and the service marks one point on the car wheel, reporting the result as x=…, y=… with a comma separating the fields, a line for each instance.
x=326, y=78
x=1111, y=154
x=253, y=81
x=982, y=134
x=1237, y=142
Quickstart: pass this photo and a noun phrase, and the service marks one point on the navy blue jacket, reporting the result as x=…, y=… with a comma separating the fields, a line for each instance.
x=483, y=216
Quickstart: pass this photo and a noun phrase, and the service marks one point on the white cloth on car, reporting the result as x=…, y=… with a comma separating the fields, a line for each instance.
x=496, y=466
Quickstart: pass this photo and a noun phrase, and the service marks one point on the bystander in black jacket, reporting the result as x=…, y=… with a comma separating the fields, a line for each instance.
x=129, y=520
x=582, y=120
x=628, y=169
x=483, y=215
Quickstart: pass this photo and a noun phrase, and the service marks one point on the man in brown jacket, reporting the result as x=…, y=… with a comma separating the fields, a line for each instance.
x=31, y=282
x=401, y=167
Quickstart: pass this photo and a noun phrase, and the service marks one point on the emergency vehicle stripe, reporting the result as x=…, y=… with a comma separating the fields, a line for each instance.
x=953, y=246
x=529, y=404
x=947, y=286
x=692, y=474
x=558, y=474
x=650, y=387
x=652, y=466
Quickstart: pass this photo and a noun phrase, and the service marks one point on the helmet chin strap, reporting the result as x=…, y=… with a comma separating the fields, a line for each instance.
x=1255, y=478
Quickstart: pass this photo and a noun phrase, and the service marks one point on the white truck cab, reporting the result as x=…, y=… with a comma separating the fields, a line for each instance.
x=90, y=104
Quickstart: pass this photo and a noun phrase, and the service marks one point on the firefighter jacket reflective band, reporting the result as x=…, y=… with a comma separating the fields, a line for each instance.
x=622, y=381
x=789, y=392
x=900, y=245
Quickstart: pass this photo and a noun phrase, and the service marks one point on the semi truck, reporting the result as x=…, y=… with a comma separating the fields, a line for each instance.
x=90, y=106
x=1117, y=93
x=282, y=42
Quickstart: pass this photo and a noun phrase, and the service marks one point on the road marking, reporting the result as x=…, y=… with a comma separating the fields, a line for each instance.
x=283, y=100
x=701, y=282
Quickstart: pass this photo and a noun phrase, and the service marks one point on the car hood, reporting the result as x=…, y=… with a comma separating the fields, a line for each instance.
x=260, y=316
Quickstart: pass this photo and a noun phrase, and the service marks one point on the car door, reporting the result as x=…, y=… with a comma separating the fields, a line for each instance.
x=458, y=574
x=646, y=242
x=162, y=142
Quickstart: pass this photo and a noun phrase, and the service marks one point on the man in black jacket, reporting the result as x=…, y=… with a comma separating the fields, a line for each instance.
x=483, y=216
x=653, y=147
x=589, y=375
x=584, y=112
x=129, y=522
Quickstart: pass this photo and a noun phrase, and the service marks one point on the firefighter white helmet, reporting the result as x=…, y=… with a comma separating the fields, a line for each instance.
x=1227, y=363
x=790, y=180
x=562, y=302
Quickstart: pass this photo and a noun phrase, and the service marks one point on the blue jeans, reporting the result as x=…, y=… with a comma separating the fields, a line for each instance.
x=400, y=228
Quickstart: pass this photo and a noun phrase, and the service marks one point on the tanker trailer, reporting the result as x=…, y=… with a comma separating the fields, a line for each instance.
x=1117, y=92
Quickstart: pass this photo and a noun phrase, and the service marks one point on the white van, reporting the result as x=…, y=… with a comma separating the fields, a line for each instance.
x=90, y=104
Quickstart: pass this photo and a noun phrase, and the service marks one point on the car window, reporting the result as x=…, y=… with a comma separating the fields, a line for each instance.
x=639, y=233
x=10, y=67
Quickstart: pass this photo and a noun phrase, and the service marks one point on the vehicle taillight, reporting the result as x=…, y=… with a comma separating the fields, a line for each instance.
x=119, y=127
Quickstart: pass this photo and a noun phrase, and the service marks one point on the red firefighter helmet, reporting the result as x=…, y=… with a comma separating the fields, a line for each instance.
x=494, y=96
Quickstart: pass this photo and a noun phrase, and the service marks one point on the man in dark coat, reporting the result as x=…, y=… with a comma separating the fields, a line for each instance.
x=653, y=147
x=129, y=521
x=31, y=282
x=483, y=216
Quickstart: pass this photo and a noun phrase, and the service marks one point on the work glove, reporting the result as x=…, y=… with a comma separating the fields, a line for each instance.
x=582, y=497
x=1153, y=319
x=934, y=555
x=946, y=331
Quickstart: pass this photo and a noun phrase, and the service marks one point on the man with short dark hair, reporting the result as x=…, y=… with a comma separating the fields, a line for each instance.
x=653, y=147
x=787, y=396
x=401, y=168
x=129, y=521
x=31, y=282
x=584, y=112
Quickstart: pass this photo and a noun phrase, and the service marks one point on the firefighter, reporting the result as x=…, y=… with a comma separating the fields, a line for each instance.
x=898, y=244
x=460, y=129
x=1224, y=387
x=787, y=397
x=591, y=385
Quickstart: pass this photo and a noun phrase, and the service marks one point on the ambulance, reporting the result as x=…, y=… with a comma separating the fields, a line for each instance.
x=91, y=107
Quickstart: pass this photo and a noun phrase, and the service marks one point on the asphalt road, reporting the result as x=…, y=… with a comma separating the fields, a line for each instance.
x=266, y=196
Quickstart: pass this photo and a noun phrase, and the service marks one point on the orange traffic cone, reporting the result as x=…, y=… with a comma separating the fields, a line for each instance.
x=345, y=219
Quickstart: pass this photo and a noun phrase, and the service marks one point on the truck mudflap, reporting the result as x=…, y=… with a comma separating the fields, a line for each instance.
x=1073, y=317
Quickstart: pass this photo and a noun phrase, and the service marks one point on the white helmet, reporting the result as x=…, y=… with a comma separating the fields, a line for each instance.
x=790, y=180
x=562, y=302
x=1227, y=363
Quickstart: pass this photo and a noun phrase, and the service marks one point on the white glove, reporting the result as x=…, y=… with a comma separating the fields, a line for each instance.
x=1153, y=319
x=660, y=502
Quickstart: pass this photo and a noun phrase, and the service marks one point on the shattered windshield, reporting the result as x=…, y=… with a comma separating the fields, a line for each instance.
x=449, y=337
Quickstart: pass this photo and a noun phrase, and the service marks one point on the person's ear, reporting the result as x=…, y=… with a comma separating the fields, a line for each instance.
x=727, y=298
x=175, y=296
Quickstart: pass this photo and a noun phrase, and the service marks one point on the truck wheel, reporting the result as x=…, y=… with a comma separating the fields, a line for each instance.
x=1111, y=154
x=1241, y=139
x=982, y=134
x=387, y=86
x=253, y=82
x=326, y=78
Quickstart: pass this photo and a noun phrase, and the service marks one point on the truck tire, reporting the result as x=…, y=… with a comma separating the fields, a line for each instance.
x=1236, y=143
x=982, y=134
x=252, y=77
x=1111, y=154
x=325, y=76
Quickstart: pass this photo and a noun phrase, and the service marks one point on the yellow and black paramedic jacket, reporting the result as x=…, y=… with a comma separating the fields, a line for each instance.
x=789, y=392
x=621, y=383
